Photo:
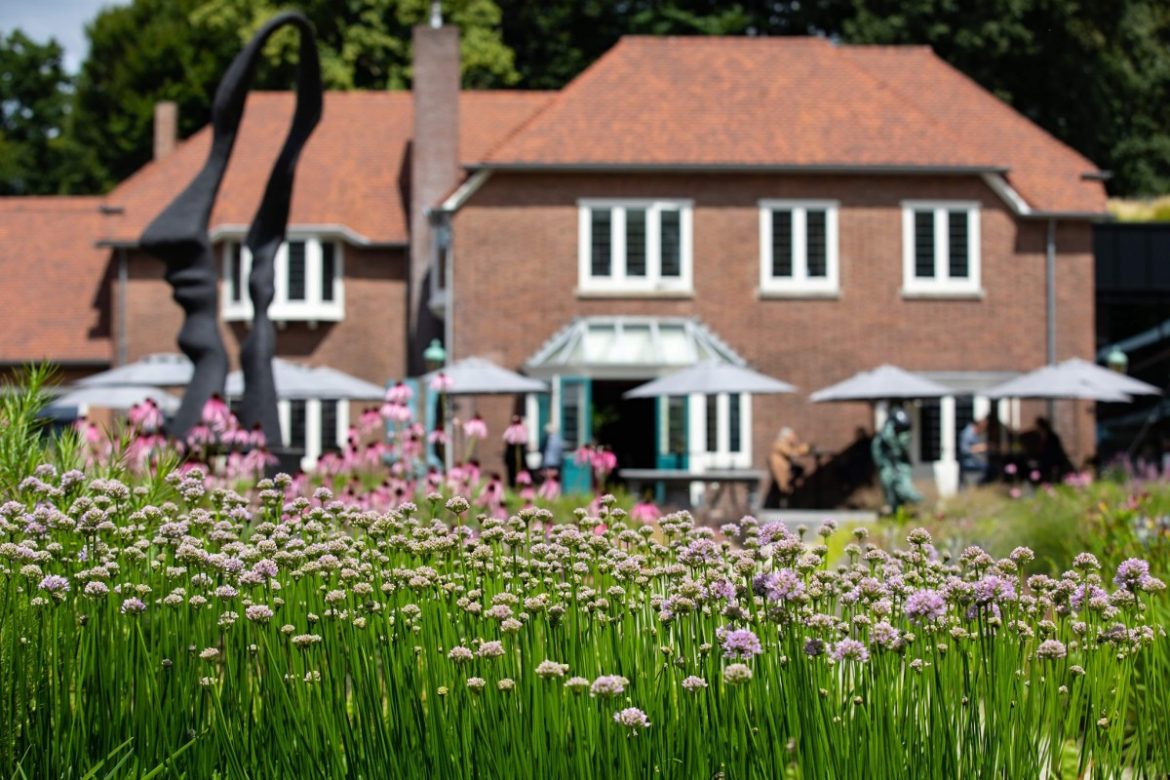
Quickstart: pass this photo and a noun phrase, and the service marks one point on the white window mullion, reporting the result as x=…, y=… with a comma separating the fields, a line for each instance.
x=284, y=412
x=313, y=285
x=799, y=246
x=833, y=270
x=617, y=247
x=653, y=245
x=281, y=275
x=941, y=267
x=723, y=427
x=312, y=430
x=973, y=260
x=745, y=430
x=686, y=245
x=342, y=437
x=947, y=429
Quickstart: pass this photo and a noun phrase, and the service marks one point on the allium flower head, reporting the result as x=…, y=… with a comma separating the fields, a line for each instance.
x=609, y=685
x=547, y=669
x=460, y=655
x=258, y=613
x=694, y=684
x=632, y=718
x=736, y=674
x=1130, y=573
x=1051, y=650
x=133, y=606
x=55, y=583
x=491, y=650
x=925, y=606
x=994, y=589
x=850, y=650
x=741, y=643
x=577, y=684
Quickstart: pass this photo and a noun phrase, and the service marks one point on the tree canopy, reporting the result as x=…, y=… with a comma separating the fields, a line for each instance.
x=1094, y=73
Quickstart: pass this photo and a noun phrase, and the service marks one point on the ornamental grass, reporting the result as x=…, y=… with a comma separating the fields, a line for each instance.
x=153, y=626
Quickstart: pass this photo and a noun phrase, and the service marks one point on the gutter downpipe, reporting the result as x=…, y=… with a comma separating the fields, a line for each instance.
x=1050, y=285
x=123, y=280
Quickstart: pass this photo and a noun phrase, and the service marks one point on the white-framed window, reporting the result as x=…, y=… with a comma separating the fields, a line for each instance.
x=635, y=246
x=940, y=247
x=309, y=281
x=314, y=425
x=798, y=246
x=721, y=427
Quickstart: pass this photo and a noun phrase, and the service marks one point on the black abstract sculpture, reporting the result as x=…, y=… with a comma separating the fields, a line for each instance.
x=178, y=236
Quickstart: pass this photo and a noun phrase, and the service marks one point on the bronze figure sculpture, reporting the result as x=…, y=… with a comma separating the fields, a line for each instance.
x=179, y=237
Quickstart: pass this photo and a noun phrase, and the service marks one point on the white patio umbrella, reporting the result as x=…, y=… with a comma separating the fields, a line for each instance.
x=119, y=397
x=164, y=369
x=297, y=381
x=884, y=383
x=1057, y=382
x=480, y=376
x=710, y=377
x=1102, y=376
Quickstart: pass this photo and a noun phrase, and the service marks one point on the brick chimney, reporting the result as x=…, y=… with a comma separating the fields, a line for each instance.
x=434, y=165
x=166, y=128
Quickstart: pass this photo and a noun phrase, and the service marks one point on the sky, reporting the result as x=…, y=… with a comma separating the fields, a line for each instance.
x=64, y=20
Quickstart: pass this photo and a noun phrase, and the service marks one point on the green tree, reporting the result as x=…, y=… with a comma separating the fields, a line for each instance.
x=34, y=102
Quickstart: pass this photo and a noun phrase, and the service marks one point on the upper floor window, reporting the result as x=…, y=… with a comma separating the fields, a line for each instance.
x=798, y=246
x=635, y=246
x=313, y=426
x=308, y=281
x=940, y=244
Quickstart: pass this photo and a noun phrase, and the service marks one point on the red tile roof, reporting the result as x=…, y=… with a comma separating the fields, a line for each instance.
x=351, y=173
x=798, y=102
x=54, y=281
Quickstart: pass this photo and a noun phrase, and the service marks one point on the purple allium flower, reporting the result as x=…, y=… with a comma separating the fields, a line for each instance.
x=784, y=585
x=55, y=583
x=1130, y=573
x=1051, y=649
x=925, y=606
x=577, y=684
x=133, y=606
x=1096, y=597
x=850, y=650
x=632, y=718
x=814, y=647
x=885, y=636
x=993, y=589
x=96, y=589
x=723, y=589
x=226, y=592
x=741, y=643
x=460, y=655
x=266, y=568
x=609, y=685
x=491, y=649
x=548, y=669
x=258, y=613
x=694, y=684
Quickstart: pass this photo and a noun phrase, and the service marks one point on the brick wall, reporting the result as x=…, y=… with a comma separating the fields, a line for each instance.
x=516, y=275
x=370, y=343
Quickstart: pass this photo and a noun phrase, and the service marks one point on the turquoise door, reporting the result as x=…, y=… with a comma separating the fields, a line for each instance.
x=577, y=430
x=673, y=444
x=672, y=432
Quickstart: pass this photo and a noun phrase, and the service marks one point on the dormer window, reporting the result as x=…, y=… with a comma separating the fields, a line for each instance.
x=309, y=281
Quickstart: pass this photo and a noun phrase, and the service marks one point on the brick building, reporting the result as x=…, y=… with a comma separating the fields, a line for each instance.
x=810, y=209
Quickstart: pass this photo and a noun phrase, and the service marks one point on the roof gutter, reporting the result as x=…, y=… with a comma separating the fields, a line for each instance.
x=228, y=230
x=736, y=168
x=464, y=191
x=1020, y=207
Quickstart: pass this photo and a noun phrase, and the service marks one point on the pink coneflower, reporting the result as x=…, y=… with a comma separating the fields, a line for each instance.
x=437, y=436
x=441, y=383
x=396, y=413
x=516, y=432
x=399, y=393
x=146, y=416
x=256, y=437
x=475, y=428
x=645, y=511
x=369, y=421
x=550, y=489
x=216, y=414
x=523, y=477
x=604, y=461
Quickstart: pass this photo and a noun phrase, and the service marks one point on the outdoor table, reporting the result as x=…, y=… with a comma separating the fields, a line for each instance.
x=724, y=480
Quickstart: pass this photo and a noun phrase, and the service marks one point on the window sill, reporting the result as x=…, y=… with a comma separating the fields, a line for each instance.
x=954, y=295
x=281, y=314
x=797, y=294
x=676, y=294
